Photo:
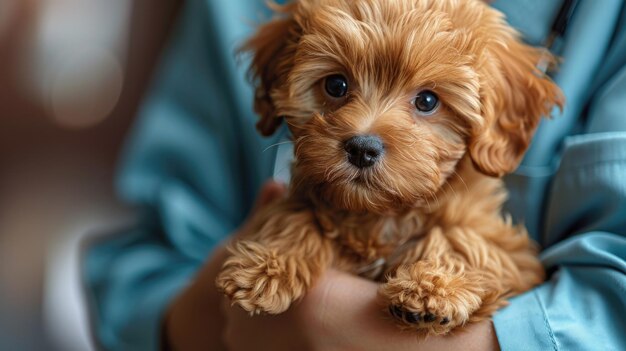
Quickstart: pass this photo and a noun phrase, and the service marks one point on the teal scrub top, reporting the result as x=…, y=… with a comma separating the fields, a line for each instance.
x=194, y=164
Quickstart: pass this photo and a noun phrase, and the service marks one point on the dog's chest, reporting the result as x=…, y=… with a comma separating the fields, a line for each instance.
x=367, y=245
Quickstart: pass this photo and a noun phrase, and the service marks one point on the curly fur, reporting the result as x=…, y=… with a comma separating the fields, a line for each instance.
x=431, y=209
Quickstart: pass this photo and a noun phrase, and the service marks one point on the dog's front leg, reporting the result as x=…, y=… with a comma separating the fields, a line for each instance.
x=456, y=276
x=277, y=264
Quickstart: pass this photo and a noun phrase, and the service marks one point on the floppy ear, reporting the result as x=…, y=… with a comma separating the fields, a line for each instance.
x=272, y=48
x=515, y=95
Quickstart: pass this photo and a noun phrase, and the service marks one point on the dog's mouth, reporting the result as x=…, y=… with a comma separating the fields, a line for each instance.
x=362, y=177
x=362, y=194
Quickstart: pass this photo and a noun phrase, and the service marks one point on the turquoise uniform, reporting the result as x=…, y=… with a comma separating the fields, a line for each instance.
x=195, y=162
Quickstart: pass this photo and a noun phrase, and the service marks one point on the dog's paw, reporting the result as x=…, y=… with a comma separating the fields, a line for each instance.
x=430, y=298
x=260, y=280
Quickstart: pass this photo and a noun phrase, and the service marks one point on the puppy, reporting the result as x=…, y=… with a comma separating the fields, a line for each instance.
x=404, y=116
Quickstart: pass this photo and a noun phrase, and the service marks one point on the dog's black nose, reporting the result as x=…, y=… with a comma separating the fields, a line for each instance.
x=364, y=150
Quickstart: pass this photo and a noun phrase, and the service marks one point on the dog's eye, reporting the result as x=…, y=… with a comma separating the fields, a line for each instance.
x=426, y=101
x=336, y=86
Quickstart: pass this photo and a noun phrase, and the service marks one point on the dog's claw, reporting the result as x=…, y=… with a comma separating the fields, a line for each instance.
x=396, y=311
x=412, y=317
x=429, y=318
x=415, y=318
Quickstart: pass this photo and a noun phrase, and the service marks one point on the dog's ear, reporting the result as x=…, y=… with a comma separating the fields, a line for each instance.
x=272, y=48
x=515, y=94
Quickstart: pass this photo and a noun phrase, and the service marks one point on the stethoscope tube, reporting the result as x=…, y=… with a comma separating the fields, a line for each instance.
x=559, y=26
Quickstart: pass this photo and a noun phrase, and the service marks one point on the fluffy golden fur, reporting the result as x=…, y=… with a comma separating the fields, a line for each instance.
x=426, y=220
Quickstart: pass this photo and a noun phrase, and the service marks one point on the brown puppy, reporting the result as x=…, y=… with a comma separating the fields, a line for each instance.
x=404, y=115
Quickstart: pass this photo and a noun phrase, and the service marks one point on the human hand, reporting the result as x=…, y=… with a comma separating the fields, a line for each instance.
x=341, y=312
x=195, y=321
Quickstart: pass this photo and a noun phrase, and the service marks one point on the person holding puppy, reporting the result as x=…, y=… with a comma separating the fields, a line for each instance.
x=195, y=160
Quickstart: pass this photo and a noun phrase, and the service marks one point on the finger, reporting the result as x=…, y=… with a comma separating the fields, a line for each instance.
x=232, y=312
x=225, y=306
x=340, y=291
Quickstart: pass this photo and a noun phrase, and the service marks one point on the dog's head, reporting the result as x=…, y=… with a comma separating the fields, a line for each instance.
x=384, y=98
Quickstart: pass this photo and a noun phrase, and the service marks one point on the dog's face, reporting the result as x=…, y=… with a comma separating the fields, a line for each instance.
x=385, y=97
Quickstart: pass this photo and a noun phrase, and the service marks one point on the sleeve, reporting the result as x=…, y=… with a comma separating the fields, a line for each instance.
x=193, y=165
x=583, y=304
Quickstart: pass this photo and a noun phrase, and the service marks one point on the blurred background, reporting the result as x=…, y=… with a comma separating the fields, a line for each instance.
x=72, y=74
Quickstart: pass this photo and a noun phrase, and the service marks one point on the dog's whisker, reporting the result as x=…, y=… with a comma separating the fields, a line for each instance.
x=461, y=179
x=425, y=198
x=433, y=195
x=277, y=144
x=452, y=189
